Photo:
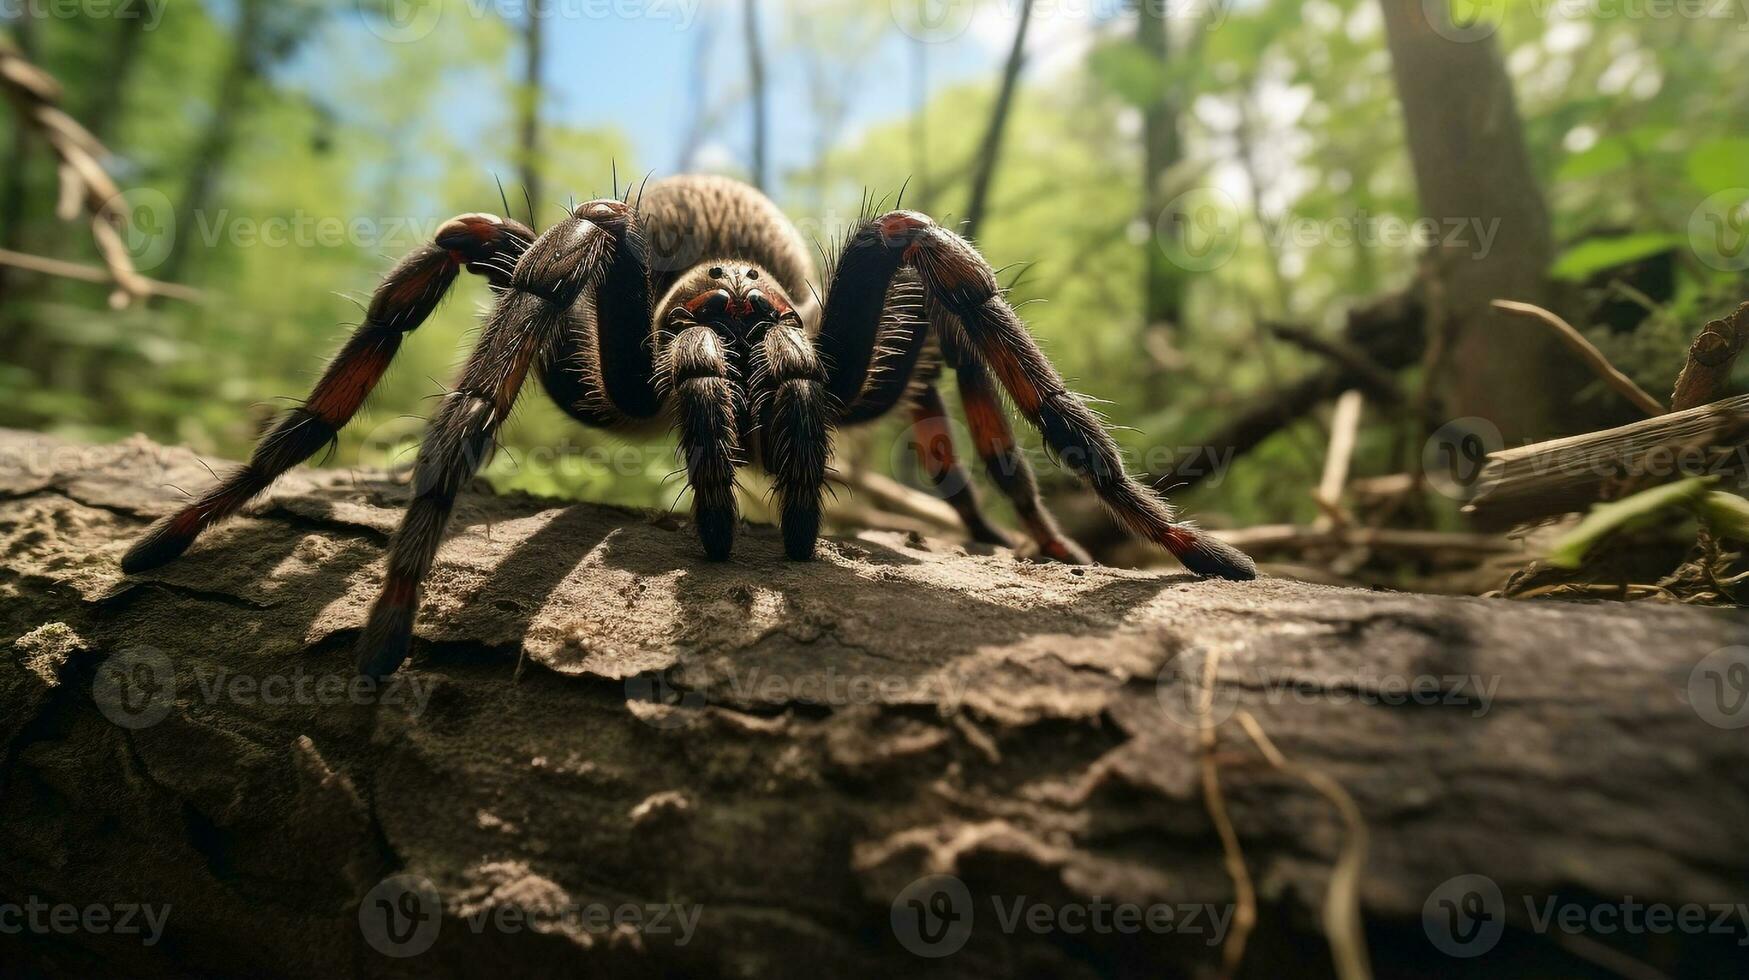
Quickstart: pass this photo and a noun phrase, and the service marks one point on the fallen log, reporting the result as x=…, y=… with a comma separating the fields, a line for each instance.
x=608, y=757
x=1568, y=475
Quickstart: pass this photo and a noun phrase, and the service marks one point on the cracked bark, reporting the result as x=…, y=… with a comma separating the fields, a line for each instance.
x=600, y=718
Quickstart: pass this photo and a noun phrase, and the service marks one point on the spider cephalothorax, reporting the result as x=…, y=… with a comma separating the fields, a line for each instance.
x=690, y=304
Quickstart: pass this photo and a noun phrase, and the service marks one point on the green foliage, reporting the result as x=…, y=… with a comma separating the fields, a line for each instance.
x=1595, y=255
x=1645, y=507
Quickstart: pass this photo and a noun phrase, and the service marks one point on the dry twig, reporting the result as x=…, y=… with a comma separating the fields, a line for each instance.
x=1342, y=923
x=84, y=185
x=1588, y=352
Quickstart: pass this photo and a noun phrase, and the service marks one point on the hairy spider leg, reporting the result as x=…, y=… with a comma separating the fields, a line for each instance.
x=570, y=258
x=932, y=440
x=483, y=244
x=706, y=401
x=1007, y=466
x=795, y=418
x=963, y=282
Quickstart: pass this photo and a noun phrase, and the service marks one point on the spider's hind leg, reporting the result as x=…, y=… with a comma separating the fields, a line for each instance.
x=957, y=276
x=1008, y=468
x=932, y=441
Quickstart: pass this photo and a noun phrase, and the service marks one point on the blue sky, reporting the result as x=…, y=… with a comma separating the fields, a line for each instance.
x=632, y=73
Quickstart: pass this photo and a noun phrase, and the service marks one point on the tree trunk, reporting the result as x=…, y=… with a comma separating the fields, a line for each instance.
x=1162, y=148
x=214, y=149
x=1475, y=181
x=990, y=151
x=528, y=142
x=112, y=90
x=595, y=720
x=757, y=93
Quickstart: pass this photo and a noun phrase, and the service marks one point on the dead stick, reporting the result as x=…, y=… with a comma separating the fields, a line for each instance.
x=88, y=273
x=1344, y=431
x=1588, y=353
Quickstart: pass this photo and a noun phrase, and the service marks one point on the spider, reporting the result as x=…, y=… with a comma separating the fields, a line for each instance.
x=692, y=304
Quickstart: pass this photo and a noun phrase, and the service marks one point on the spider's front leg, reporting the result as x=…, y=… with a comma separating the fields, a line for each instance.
x=484, y=244
x=696, y=371
x=573, y=256
x=956, y=276
x=795, y=417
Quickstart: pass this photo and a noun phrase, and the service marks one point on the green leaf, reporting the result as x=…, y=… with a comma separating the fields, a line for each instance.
x=1727, y=514
x=1639, y=509
x=1719, y=165
x=1597, y=254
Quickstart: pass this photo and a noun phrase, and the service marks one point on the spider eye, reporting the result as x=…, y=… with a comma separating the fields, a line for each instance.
x=753, y=273
x=716, y=272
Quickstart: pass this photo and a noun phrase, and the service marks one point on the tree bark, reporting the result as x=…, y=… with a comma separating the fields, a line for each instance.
x=594, y=720
x=1475, y=181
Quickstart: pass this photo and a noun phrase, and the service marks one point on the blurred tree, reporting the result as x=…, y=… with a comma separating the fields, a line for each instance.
x=990, y=151
x=265, y=34
x=1474, y=176
x=528, y=152
x=1162, y=149
x=700, y=110
x=757, y=95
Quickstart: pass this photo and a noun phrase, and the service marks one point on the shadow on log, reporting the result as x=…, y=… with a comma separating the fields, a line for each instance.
x=608, y=757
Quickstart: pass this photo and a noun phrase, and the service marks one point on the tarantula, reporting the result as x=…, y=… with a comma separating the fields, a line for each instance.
x=693, y=303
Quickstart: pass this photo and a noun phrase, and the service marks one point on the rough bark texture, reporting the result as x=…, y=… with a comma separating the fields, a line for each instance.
x=830, y=732
x=1473, y=172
